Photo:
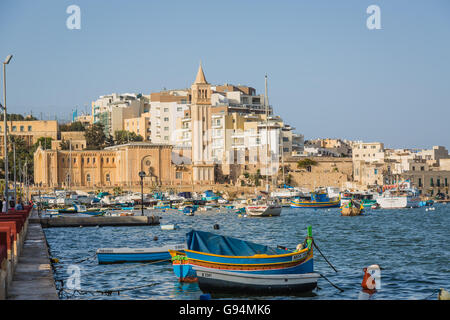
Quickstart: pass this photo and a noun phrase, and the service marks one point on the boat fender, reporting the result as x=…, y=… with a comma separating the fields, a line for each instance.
x=299, y=247
x=155, y=238
x=371, y=274
x=55, y=260
x=216, y=227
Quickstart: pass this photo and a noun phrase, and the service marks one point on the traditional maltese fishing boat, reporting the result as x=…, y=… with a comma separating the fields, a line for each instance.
x=318, y=200
x=223, y=264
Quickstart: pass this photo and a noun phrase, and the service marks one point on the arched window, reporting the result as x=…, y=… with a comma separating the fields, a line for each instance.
x=88, y=178
x=108, y=178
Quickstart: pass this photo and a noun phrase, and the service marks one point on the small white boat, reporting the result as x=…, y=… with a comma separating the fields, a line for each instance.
x=264, y=209
x=219, y=281
x=169, y=227
x=400, y=198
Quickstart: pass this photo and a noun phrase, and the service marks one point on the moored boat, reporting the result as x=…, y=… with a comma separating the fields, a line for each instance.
x=318, y=200
x=235, y=264
x=352, y=208
x=401, y=196
x=220, y=281
x=264, y=209
x=121, y=255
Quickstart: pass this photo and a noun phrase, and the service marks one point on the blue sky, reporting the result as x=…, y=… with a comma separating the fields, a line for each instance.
x=329, y=75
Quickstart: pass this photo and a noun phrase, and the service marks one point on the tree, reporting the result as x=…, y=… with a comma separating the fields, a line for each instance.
x=24, y=154
x=306, y=163
x=95, y=137
x=124, y=136
x=65, y=144
x=73, y=126
x=45, y=142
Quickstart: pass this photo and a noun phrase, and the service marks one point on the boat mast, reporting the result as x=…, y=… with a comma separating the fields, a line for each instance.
x=266, y=102
x=70, y=162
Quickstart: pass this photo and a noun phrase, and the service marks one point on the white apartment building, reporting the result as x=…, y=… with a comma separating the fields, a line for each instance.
x=166, y=108
x=111, y=110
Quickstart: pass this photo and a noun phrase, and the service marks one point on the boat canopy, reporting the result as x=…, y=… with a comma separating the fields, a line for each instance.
x=208, y=242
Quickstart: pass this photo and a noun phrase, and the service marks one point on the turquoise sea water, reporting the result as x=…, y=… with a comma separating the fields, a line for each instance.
x=411, y=245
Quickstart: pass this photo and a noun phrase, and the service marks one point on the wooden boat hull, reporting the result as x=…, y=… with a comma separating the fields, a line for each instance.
x=346, y=211
x=313, y=204
x=220, y=281
x=123, y=255
x=264, y=210
x=291, y=263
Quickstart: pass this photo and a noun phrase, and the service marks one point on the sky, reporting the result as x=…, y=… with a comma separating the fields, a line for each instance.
x=330, y=76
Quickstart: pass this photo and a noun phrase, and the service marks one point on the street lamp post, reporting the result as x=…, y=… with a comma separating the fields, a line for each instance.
x=7, y=60
x=142, y=175
x=15, y=186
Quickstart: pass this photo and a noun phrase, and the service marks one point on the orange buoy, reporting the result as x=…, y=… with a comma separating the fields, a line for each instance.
x=371, y=279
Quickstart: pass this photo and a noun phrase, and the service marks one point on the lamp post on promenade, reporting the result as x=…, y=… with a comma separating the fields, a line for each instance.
x=7, y=60
x=142, y=175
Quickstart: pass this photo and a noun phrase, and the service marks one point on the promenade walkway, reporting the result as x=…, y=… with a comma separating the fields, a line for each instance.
x=33, y=277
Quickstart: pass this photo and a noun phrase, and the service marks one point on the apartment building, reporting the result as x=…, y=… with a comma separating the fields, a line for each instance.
x=166, y=108
x=140, y=125
x=111, y=110
x=30, y=131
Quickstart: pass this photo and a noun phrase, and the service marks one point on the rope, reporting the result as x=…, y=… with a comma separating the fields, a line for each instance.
x=341, y=290
x=329, y=263
x=107, y=292
x=434, y=292
x=116, y=269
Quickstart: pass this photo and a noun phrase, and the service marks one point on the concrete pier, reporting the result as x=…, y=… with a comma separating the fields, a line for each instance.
x=96, y=221
x=33, y=276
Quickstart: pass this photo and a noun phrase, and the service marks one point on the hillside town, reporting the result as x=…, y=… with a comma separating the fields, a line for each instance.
x=204, y=136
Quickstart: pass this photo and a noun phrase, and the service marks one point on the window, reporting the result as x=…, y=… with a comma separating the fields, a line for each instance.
x=108, y=178
x=438, y=182
x=431, y=182
x=179, y=108
x=88, y=178
x=87, y=160
x=166, y=119
x=166, y=109
x=178, y=175
x=22, y=128
x=445, y=182
x=14, y=128
x=422, y=168
x=420, y=182
x=29, y=128
x=166, y=128
x=166, y=138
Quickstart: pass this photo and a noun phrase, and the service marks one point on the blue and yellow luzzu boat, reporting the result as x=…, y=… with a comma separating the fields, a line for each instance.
x=318, y=200
x=223, y=263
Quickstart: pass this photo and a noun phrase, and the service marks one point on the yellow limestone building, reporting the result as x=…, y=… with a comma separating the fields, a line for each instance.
x=202, y=161
x=114, y=166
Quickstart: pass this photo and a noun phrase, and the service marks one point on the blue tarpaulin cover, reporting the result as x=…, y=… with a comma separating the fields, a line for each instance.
x=208, y=242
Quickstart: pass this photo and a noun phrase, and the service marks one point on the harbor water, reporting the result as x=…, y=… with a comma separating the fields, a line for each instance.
x=411, y=245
